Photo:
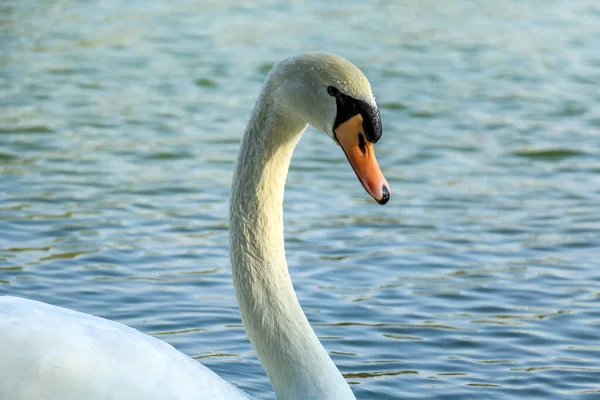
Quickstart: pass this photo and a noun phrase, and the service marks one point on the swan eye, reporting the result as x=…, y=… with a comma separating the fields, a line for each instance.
x=332, y=91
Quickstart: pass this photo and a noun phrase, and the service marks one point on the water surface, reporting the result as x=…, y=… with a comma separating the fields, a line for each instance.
x=120, y=123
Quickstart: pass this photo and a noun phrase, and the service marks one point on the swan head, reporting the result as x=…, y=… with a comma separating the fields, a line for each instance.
x=334, y=96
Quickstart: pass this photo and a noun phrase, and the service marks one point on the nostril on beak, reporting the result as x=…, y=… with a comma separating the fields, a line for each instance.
x=385, y=195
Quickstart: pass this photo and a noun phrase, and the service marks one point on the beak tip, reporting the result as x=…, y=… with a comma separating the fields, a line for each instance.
x=385, y=195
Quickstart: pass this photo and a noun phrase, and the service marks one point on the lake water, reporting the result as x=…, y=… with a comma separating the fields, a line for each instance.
x=120, y=122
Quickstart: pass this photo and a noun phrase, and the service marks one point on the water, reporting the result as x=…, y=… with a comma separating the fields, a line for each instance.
x=121, y=120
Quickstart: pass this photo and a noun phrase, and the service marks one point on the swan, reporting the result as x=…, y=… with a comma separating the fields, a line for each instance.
x=52, y=353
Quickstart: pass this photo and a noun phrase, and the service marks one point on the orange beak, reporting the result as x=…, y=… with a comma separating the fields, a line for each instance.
x=361, y=155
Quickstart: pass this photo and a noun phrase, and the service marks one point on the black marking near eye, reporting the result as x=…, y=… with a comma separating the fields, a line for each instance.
x=348, y=107
x=333, y=91
x=362, y=145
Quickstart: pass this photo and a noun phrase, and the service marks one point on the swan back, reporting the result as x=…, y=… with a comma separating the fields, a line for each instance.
x=53, y=353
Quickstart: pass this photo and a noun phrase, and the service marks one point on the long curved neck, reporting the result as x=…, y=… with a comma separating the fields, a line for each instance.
x=294, y=359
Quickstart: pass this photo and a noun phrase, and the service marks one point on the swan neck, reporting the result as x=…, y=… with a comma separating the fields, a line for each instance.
x=294, y=359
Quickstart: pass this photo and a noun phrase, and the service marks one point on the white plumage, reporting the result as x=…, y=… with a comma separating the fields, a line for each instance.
x=52, y=353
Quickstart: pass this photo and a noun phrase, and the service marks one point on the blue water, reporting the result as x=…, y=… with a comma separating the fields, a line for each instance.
x=120, y=123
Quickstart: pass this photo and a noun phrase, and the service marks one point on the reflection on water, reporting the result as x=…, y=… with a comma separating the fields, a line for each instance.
x=120, y=125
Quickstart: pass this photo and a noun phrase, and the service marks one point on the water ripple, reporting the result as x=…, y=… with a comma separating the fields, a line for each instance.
x=120, y=125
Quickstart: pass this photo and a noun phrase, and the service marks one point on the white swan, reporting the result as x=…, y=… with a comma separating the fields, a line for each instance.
x=53, y=353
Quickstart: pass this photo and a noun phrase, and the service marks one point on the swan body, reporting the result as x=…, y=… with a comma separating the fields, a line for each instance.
x=52, y=353
x=49, y=352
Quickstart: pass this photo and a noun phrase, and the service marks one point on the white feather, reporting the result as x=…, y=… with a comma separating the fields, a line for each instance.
x=52, y=353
